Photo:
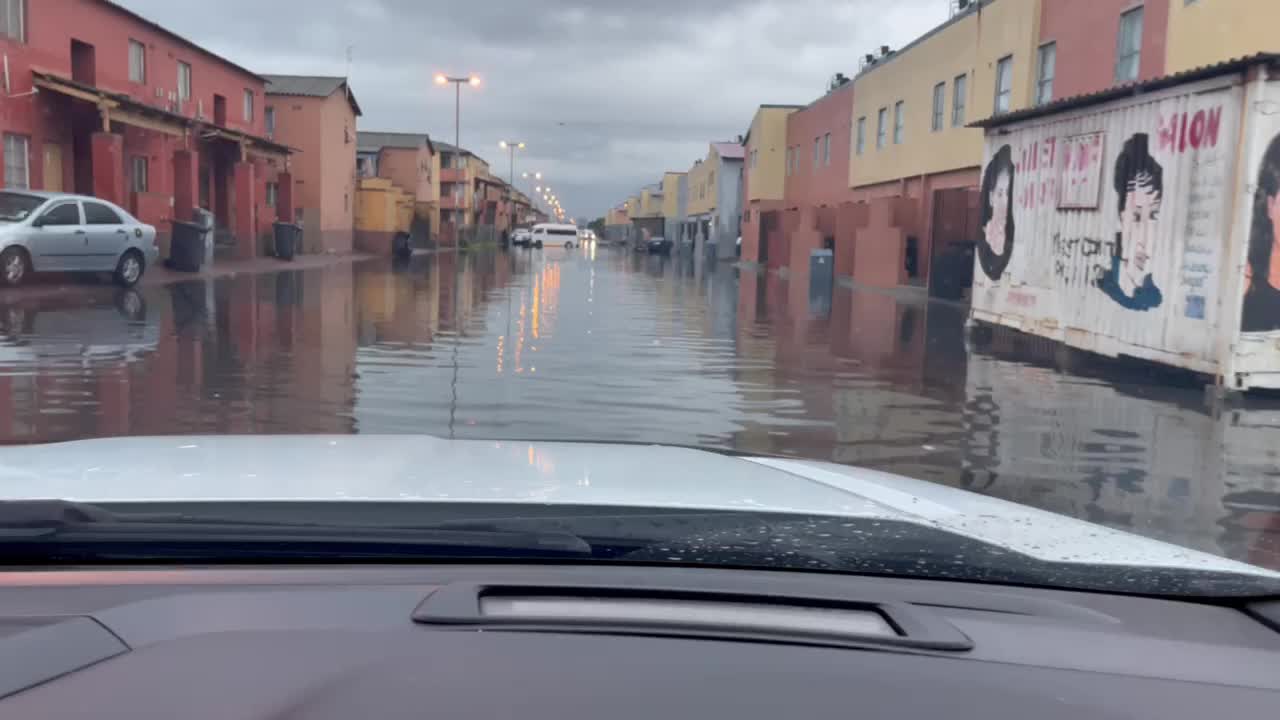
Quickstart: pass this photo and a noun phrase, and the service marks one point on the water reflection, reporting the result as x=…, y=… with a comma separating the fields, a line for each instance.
x=611, y=345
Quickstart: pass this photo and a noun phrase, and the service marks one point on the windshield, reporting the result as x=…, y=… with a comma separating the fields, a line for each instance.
x=998, y=276
x=16, y=207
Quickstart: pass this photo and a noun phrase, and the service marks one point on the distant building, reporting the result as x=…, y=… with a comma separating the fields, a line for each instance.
x=318, y=115
x=763, y=184
x=714, y=199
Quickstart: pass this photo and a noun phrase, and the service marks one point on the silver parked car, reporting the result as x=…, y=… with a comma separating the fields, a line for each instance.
x=60, y=232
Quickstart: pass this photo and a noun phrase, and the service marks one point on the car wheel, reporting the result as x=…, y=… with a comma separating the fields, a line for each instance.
x=15, y=266
x=130, y=268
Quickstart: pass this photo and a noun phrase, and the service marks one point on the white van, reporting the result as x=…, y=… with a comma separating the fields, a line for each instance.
x=554, y=235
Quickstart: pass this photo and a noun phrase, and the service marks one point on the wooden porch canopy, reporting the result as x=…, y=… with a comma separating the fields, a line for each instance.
x=116, y=107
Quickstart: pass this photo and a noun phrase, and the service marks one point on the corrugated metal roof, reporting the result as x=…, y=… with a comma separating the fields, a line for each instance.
x=729, y=150
x=1075, y=102
x=317, y=86
x=374, y=141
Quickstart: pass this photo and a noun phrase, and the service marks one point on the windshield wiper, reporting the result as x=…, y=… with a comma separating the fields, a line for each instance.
x=43, y=531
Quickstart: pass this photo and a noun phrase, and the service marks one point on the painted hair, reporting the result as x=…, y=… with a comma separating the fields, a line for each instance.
x=1136, y=168
x=1261, y=234
x=1001, y=164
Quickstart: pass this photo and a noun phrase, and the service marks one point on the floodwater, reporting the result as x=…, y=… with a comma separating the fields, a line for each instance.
x=603, y=344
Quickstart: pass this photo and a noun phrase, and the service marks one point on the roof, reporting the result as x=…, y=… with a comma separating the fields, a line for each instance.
x=729, y=150
x=881, y=61
x=166, y=31
x=374, y=141
x=1205, y=72
x=318, y=86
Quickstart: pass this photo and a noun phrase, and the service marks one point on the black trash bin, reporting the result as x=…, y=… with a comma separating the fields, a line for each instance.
x=402, y=245
x=286, y=240
x=186, y=249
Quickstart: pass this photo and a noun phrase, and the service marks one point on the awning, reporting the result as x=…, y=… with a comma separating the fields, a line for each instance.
x=117, y=107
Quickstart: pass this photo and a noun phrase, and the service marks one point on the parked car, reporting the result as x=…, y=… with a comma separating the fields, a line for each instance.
x=659, y=246
x=521, y=237
x=60, y=232
x=554, y=234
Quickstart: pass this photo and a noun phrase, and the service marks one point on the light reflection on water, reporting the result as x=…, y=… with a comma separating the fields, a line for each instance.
x=615, y=346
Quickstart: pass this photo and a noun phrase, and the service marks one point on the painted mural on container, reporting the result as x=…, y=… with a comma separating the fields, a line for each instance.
x=1120, y=216
x=1261, y=312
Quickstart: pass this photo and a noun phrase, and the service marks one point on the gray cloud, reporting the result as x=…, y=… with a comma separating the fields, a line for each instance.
x=607, y=95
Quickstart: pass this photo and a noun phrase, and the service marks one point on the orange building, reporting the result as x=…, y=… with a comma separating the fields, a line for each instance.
x=317, y=115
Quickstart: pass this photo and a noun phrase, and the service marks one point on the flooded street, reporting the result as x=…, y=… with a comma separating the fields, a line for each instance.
x=602, y=344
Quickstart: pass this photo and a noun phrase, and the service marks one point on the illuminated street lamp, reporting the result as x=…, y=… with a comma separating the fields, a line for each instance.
x=458, y=82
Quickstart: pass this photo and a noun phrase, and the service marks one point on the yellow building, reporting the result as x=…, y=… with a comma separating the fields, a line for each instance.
x=766, y=151
x=633, y=207
x=1210, y=31
x=910, y=108
x=651, y=201
x=671, y=194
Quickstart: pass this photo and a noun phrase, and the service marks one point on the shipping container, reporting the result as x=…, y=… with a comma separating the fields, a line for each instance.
x=1140, y=222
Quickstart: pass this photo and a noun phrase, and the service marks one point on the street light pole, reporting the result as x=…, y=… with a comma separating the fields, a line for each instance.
x=473, y=81
x=511, y=146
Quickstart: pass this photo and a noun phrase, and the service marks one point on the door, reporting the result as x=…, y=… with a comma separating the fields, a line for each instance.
x=52, y=167
x=60, y=242
x=108, y=237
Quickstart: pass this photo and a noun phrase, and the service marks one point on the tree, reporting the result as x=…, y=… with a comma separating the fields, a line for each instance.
x=597, y=226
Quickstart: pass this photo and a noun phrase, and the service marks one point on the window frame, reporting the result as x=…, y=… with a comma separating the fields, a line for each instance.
x=272, y=194
x=20, y=6
x=938, y=118
x=185, y=78
x=247, y=102
x=140, y=182
x=140, y=76
x=269, y=120
x=860, y=136
x=84, y=213
x=959, y=99
x=1135, y=53
x=1003, y=89
x=1047, y=50
x=899, y=121
x=826, y=150
x=26, y=160
x=58, y=205
x=882, y=132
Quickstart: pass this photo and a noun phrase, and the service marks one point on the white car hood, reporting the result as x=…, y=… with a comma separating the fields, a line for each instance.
x=428, y=469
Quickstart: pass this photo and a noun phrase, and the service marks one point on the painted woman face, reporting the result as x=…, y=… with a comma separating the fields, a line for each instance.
x=995, y=229
x=1138, y=228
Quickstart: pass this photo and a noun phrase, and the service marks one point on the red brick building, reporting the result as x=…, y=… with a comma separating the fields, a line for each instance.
x=102, y=101
x=817, y=174
x=1090, y=39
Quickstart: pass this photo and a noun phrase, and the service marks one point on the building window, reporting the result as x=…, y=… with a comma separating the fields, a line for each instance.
x=959, y=96
x=1004, y=84
x=269, y=119
x=248, y=106
x=137, y=62
x=881, y=127
x=939, y=105
x=17, y=169
x=1046, y=66
x=861, y=141
x=273, y=194
x=13, y=20
x=826, y=149
x=140, y=181
x=817, y=152
x=791, y=156
x=184, y=82
x=1129, y=46
x=899, y=119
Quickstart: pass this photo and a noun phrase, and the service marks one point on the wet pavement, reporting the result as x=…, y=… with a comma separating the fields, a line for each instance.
x=606, y=345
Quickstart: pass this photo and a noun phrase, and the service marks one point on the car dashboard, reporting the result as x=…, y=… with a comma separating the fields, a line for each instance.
x=569, y=641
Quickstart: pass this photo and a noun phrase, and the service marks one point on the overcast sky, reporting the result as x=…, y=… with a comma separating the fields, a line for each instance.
x=607, y=94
